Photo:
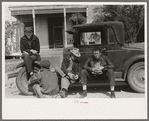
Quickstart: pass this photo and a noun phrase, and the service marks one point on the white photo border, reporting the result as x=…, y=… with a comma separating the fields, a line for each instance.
x=134, y=108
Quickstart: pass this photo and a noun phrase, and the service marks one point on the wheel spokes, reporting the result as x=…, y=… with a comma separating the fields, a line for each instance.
x=138, y=77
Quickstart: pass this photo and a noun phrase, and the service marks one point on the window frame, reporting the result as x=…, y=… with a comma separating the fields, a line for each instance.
x=96, y=29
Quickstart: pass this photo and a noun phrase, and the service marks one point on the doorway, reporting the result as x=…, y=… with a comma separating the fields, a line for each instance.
x=55, y=32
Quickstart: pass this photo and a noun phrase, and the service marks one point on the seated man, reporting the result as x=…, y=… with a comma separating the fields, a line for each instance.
x=96, y=65
x=45, y=82
x=71, y=69
x=30, y=48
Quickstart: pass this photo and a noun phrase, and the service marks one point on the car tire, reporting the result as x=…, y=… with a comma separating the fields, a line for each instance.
x=135, y=77
x=22, y=82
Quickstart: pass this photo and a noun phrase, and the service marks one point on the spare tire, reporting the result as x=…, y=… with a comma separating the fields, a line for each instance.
x=22, y=81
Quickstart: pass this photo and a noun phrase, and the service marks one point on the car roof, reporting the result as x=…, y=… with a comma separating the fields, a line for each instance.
x=117, y=26
x=97, y=24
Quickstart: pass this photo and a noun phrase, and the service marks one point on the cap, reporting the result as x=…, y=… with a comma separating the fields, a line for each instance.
x=45, y=64
x=28, y=29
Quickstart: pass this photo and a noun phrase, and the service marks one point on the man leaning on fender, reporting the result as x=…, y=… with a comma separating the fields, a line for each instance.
x=95, y=66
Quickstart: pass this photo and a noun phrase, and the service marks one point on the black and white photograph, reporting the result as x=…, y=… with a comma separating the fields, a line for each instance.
x=60, y=58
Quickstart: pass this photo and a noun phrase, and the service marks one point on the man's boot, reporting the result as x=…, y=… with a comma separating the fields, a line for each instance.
x=84, y=94
x=63, y=93
x=113, y=94
x=112, y=88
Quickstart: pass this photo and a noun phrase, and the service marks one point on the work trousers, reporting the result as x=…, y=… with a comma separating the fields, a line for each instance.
x=85, y=75
x=65, y=83
x=29, y=61
x=37, y=90
x=40, y=94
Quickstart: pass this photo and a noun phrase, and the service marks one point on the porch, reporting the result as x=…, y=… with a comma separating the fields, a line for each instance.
x=49, y=22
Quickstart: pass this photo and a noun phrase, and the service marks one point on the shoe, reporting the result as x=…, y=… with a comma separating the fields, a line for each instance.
x=41, y=96
x=34, y=78
x=62, y=93
x=84, y=94
x=113, y=94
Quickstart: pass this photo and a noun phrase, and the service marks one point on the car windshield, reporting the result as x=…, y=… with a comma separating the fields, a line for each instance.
x=90, y=38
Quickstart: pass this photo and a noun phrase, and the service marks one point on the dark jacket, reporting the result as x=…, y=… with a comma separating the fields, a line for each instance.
x=26, y=45
x=75, y=67
x=90, y=63
x=48, y=82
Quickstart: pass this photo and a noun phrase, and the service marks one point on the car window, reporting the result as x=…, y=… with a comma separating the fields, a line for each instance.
x=90, y=38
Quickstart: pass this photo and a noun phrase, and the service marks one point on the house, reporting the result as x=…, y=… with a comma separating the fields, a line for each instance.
x=50, y=23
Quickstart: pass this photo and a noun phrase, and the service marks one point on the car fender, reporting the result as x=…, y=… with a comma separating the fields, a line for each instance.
x=128, y=63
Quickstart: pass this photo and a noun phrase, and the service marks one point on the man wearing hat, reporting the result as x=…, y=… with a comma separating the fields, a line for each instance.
x=30, y=48
x=71, y=69
x=45, y=82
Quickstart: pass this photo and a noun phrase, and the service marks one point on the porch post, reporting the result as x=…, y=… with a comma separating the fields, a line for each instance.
x=33, y=13
x=65, y=36
x=87, y=14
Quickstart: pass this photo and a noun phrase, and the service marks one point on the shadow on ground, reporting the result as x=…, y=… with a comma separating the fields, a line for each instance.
x=75, y=91
x=104, y=89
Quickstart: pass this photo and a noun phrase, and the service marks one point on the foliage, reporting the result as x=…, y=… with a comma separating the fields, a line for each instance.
x=9, y=33
x=131, y=15
x=77, y=18
x=7, y=49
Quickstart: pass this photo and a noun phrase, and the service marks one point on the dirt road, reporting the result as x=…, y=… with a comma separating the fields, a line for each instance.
x=122, y=91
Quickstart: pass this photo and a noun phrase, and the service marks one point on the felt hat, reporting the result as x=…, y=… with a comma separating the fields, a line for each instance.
x=45, y=64
x=75, y=51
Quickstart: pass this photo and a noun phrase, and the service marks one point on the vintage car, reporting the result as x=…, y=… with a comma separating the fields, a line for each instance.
x=110, y=37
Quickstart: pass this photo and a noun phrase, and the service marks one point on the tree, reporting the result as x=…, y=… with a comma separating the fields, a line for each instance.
x=131, y=15
x=77, y=18
x=9, y=33
x=9, y=29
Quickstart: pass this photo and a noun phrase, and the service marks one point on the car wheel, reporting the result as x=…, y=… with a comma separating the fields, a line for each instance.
x=136, y=78
x=22, y=81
